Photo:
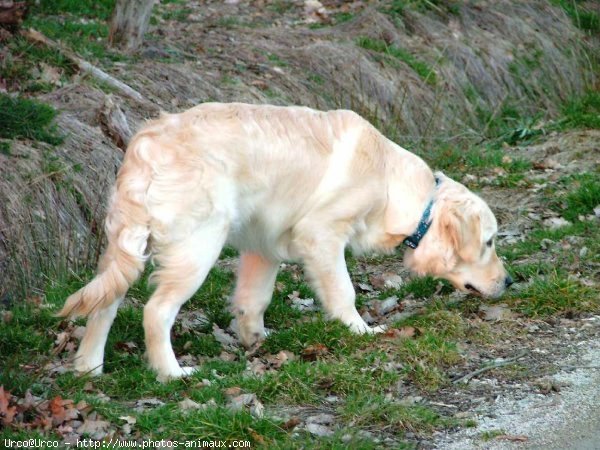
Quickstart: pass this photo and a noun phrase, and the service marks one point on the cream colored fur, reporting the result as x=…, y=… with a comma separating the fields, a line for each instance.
x=278, y=184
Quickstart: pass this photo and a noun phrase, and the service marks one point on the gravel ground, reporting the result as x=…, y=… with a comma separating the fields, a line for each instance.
x=568, y=419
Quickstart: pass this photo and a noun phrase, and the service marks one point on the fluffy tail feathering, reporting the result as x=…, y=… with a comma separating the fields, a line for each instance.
x=127, y=230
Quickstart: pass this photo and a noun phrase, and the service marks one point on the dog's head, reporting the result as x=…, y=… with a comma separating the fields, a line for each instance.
x=460, y=243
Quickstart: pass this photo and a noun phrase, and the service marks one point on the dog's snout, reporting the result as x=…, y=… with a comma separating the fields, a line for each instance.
x=508, y=281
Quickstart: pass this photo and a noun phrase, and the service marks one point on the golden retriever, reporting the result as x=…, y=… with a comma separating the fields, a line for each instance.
x=277, y=183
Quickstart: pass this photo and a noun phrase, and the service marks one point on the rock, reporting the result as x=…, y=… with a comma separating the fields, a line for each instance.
x=318, y=430
x=555, y=223
x=385, y=306
x=545, y=243
x=365, y=287
x=495, y=312
x=144, y=403
x=367, y=317
x=410, y=400
x=386, y=280
x=188, y=404
x=323, y=419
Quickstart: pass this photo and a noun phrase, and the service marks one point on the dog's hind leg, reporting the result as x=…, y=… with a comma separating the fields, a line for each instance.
x=256, y=278
x=183, y=267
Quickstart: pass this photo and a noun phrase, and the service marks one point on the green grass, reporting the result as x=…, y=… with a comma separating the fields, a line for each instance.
x=87, y=39
x=280, y=6
x=553, y=295
x=5, y=148
x=178, y=15
x=550, y=290
x=583, y=198
x=23, y=59
x=397, y=8
x=377, y=411
x=420, y=67
x=458, y=160
x=100, y=9
x=21, y=118
x=584, y=18
x=81, y=25
x=582, y=112
x=487, y=436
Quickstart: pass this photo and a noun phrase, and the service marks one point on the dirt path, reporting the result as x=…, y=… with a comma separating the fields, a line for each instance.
x=569, y=419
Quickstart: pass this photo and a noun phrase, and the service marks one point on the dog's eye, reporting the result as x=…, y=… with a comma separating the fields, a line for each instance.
x=490, y=242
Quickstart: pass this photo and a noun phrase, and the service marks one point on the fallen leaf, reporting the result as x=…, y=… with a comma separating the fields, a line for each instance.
x=314, y=352
x=223, y=337
x=191, y=321
x=256, y=437
x=262, y=85
x=280, y=358
x=226, y=356
x=7, y=316
x=291, y=424
x=315, y=11
x=127, y=427
x=257, y=367
x=50, y=74
x=57, y=410
x=126, y=347
x=203, y=383
x=188, y=404
x=404, y=332
x=242, y=401
x=146, y=403
x=257, y=409
x=302, y=304
x=7, y=413
x=386, y=280
x=232, y=391
x=96, y=429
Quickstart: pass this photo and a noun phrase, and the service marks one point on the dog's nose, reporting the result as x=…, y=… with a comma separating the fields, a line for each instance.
x=508, y=281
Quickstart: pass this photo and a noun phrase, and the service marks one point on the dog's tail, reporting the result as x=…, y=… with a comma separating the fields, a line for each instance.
x=127, y=230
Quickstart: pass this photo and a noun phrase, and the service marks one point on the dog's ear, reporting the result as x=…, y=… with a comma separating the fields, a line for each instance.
x=462, y=230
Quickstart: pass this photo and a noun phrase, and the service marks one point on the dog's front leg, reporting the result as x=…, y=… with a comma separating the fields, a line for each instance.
x=325, y=266
x=256, y=278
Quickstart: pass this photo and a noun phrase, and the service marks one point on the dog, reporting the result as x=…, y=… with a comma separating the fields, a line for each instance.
x=276, y=183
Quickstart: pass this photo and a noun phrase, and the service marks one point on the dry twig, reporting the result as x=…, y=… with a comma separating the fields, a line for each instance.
x=85, y=66
x=466, y=378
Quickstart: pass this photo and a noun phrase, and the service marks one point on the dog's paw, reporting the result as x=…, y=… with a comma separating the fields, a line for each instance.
x=83, y=368
x=375, y=330
x=379, y=329
x=180, y=372
x=363, y=328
